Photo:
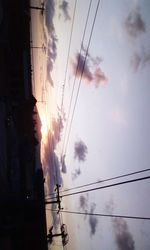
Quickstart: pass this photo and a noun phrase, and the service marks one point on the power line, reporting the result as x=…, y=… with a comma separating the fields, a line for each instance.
x=74, y=12
x=108, y=179
x=105, y=215
x=108, y=186
x=71, y=98
x=104, y=180
x=89, y=42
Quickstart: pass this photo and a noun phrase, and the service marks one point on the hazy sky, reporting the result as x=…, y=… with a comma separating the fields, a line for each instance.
x=109, y=133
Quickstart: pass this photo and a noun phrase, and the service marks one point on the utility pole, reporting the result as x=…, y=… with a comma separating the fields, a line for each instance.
x=58, y=198
x=63, y=234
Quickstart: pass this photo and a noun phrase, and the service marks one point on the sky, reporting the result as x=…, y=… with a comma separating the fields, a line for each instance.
x=95, y=122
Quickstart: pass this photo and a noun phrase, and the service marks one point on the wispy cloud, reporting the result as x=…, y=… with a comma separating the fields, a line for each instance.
x=88, y=67
x=140, y=59
x=64, y=6
x=135, y=61
x=94, y=60
x=100, y=77
x=76, y=173
x=134, y=23
x=80, y=151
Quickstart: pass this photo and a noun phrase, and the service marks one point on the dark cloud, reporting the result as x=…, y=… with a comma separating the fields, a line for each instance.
x=49, y=15
x=89, y=69
x=123, y=237
x=76, y=173
x=93, y=224
x=81, y=67
x=83, y=202
x=65, y=9
x=63, y=164
x=134, y=24
x=51, y=56
x=93, y=221
x=80, y=151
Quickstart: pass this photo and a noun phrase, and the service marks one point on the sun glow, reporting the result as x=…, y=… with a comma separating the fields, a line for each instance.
x=44, y=131
x=45, y=126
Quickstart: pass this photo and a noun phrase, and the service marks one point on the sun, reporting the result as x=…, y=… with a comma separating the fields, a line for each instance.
x=44, y=128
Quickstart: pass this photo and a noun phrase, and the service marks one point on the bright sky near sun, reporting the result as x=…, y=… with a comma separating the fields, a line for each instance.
x=99, y=117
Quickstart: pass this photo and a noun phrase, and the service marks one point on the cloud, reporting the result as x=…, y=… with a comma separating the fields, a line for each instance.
x=52, y=39
x=83, y=202
x=89, y=69
x=57, y=127
x=140, y=59
x=135, y=61
x=76, y=173
x=93, y=221
x=50, y=162
x=134, y=24
x=49, y=15
x=51, y=167
x=64, y=7
x=109, y=207
x=63, y=164
x=80, y=151
x=99, y=77
x=95, y=60
x=51, y=56
x=81, y=67
x=123, y=237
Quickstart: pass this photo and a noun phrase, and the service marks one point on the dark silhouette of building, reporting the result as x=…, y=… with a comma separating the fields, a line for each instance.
x=22, y=206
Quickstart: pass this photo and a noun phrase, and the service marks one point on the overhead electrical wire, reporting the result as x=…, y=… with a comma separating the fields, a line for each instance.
x=86, y=54
x=108, y=179
x=102, y=181
x=71, y=98
x=106, y=186
x=105, y=215
x=70, y=40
